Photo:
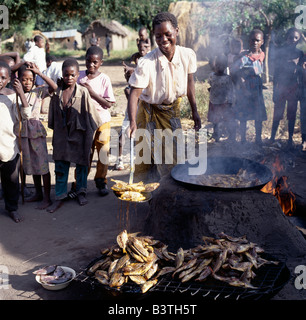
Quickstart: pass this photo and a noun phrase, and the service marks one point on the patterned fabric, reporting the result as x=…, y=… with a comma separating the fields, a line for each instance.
x=152, y=117
x=33, y=137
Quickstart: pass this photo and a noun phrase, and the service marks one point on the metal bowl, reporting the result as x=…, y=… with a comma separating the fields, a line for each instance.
x=59, y=286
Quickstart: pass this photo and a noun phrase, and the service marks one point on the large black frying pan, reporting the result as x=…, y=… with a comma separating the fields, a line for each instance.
x=224, y=165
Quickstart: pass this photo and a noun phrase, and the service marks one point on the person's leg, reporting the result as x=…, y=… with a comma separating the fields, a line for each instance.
x=278, y=112
x=242, y=128
x=10, y=187
x=81, y=183
x=38, y=196
x=291, y=115
x=61, y=179
x=102, y=139
x=258, y=129
x=47, y=191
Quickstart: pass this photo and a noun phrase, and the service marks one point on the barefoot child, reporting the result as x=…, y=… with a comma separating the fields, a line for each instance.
x=9, y=149
x=247, y=71
x=74, y=120
x=287, y=83
x=101, y=92
x=221, y=98
x=33, y=134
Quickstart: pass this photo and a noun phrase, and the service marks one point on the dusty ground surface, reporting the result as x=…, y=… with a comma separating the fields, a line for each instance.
x=74, y=235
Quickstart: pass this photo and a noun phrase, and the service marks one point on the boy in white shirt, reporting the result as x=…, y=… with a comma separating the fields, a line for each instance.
x=37, y=55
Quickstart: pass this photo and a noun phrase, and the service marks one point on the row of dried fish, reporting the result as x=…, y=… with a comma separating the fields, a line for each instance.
x=142, y=260
x=228, y=259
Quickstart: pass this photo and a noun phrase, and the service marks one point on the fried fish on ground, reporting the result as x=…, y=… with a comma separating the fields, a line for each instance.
x=147, y=285
x=122, y=239
x=151, y=186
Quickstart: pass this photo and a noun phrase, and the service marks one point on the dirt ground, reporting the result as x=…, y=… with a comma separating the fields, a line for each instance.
x=74, y=235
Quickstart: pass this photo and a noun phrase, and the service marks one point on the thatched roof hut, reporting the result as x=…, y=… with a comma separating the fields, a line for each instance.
x=100, y=28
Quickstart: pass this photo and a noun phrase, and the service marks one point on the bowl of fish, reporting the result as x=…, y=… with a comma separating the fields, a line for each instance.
x=54, y=277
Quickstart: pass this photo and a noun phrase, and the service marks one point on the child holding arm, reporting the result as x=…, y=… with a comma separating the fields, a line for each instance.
x=9, y=144
x=33, y=134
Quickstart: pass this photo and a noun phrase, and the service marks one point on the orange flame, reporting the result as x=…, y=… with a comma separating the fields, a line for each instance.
x=279, y=187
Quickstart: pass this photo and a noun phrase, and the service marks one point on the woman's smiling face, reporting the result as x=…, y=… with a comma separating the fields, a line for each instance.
x=165, y=36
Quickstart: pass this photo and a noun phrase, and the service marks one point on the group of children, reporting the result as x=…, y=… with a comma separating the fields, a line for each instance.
x=236, y=88
x=79, y=117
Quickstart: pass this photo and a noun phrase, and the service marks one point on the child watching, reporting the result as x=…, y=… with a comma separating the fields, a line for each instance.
x=143, y=36
x=33, y=134
x=101, y=92
x=303, y=103
x=247, y=70
x=54, y=68
x=37, y=55
x=143, y=49
x=74, y=119
x=286, y=83
x=221, y=98
x=9, y=149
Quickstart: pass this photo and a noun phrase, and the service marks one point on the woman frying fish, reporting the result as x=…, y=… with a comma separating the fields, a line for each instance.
x=159, y=82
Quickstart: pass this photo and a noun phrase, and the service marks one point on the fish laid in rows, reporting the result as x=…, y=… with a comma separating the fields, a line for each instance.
x=143, y=260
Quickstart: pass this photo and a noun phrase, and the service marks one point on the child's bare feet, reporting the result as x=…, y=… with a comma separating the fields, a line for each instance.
x=56, y=205
x=44, y=204
x=15, y=216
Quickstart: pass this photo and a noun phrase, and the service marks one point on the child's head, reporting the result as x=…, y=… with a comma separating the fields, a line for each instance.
x=303, y=62
x=49, y=60
x=94, y=59
x=293, y=36
x=143, y=33
x=26, y=77
x=236, y=46
x=256, y=40
x=5, y=74
x=143, y=47
x=39, y=41
x=220, y=63
x=9, y=60
x=70, y=70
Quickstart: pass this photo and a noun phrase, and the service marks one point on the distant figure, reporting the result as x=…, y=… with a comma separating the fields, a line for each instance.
x=143, y=36
x=54, y=68
x=75, y=45
x=27, y=45
x=247, y=69
x=94, y=41
x=108, y=41
x=37, y=55
x=287, y=82
x=221, y=99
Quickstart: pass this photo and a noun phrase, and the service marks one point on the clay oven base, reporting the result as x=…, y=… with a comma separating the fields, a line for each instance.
x=180, y=216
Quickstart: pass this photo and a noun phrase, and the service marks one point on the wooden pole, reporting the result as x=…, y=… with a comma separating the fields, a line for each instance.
x=19, y=142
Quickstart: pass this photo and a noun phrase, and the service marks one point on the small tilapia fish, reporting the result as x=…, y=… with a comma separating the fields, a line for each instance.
x=148, y=285
x=122, y=239
x=179, y=259
x=46, y=270
x=204, y=274
x=151, y=271
x=138, y=279
x=116, y=280
x=185, y=266
x=165, y=270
